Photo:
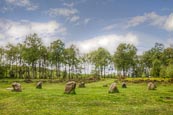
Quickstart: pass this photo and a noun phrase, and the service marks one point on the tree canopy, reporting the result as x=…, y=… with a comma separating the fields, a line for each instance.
x=32, y=59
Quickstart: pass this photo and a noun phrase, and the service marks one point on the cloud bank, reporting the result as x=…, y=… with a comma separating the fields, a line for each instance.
x=164, y=22
x=69, y=13
x=22, y=3
x=16, y=31
x=109, y=42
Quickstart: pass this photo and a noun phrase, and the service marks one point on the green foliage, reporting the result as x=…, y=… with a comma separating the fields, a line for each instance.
x=163, y=71
x=169, y=71
x=157, y=51
x=85, y=63
x=147, y=59
x=152, y=59
x=57, y=50
x=156, y=68
x=2, y=72
x=143, y=75
x=31, y=52
x=32, y=59
x=124, y=57
x=101, y=58
x=71, y=58
x=167, y=56
x=32, y=45
x=56, y=55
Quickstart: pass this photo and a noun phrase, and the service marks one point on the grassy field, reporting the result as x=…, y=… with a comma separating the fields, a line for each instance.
x=92, y=100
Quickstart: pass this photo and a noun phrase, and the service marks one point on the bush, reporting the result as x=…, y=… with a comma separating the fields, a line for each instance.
x=155, y=71
x=2, y=72
x=169, y=71
x=163, y=71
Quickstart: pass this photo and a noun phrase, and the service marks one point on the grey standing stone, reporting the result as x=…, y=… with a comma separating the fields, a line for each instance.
x=70, y=87
x=39, y=85
x=105, y=85
x=124, y=85
x=151, y=86
x=113, y=88
x=16, y=87
x=81, y=84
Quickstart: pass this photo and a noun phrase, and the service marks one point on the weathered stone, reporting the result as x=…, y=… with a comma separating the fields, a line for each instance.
x=113, y=88
x=151, y=86
x=28, y=81
x=105, y=85
x=70, y=87
x=124, y=85
x=81, y=85
x=39, y=85
x=16, y=87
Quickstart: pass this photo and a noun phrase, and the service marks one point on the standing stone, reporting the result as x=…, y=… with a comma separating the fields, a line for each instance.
x=81, y=85
x=151, y=86
x=105, y=85
x=39, y=85
x=16, y=87
x=124, y=85
x=70, y=87
x=113, y=88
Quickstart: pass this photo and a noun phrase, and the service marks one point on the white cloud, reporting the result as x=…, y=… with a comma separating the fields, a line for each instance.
x=110, y=27
x=109, y=42
x=14, y=32
x=69, y=13
x=23, y=3
x=69, y=4
x=87, y=20
x=169, y=23
x=62, y=12
x=155, y=19
x=152, y=18
x=74, y=18
x=164, y=22
x=136, y=21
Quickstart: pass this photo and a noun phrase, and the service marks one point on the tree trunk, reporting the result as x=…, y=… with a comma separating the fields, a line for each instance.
x=104, y=71
x=59, y=69
x=39, y=69
x=69, y=72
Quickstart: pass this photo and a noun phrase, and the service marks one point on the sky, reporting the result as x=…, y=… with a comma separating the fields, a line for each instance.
x=89, y=24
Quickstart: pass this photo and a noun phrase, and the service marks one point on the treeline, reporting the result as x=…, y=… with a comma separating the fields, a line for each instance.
x=32, y=59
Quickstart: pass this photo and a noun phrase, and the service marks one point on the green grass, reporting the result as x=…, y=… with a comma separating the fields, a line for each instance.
x=92, y=100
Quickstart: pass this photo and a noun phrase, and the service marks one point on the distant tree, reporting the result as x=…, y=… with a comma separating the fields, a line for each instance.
x=157, y=50
x=43, y=60
x=167, y=56
x=57, y=50
x=85, y=61
x=19, y=61
x=169, y=71
x=31, y=52
x=71, y=59
x=152, y=59
x=163, y=71
x=155, y=71
x=2, y=52
x=138, y=67
x=124, y=57
x=2, y=72
x=147, y=62
x=101, y=58
x=12, y=56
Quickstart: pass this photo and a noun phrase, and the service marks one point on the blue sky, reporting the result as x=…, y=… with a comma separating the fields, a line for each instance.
x=89, y=24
